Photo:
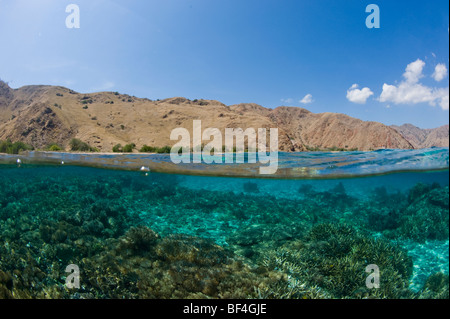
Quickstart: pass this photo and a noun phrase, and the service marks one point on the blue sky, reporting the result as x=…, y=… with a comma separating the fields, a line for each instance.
x=316, y=54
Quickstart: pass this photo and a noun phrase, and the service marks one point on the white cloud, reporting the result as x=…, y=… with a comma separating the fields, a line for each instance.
x=440, y=72
x=413, y=71
x=287, y=101
x=307, y=99
x=444, y=102
x=406, y=93
x=410, y=91
x=442, y=98
x=358, y=96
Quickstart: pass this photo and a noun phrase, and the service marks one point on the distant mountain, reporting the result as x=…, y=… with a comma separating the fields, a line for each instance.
x=424, y=138
x=41, y=115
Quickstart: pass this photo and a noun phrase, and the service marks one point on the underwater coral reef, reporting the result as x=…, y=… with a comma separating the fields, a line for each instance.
x=135, y=236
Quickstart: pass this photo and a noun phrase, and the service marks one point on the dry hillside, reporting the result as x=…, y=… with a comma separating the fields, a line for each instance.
x=41, y=115
x=424, y=138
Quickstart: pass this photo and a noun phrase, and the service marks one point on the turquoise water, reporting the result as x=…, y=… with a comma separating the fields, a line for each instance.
x=309, y=232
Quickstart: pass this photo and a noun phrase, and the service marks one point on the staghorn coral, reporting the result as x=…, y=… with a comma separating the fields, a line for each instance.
x=262, y=246
x=427, y=216
x=436, y=287
x=334, y=257
x=6, y=285
x=176, y=266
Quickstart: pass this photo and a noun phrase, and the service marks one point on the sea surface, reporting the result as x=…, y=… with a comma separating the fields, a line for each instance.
x=326, y=225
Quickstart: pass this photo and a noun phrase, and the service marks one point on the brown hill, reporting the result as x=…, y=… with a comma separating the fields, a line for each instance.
x=327, y=130
x=424, y=138
x=41, y=115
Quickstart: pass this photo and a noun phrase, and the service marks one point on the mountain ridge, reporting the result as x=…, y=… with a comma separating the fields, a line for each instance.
x=41, y=115
x=424, y=138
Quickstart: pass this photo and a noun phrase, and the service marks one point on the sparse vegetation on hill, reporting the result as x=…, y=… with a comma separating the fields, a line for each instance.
x=9, y=147
x=54, y=148
x=129, y=148
x=77, y=145
x=152, y=149
x=118, y=148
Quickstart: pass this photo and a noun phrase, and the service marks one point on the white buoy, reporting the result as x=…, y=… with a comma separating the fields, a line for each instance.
x=62, y=162
x=19, y=161
x=145, y=169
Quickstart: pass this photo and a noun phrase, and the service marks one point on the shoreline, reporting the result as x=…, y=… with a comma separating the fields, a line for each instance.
x=218, y=153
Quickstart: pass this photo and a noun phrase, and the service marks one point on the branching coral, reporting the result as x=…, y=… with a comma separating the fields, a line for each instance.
x=334, y=258
x=139, y=237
